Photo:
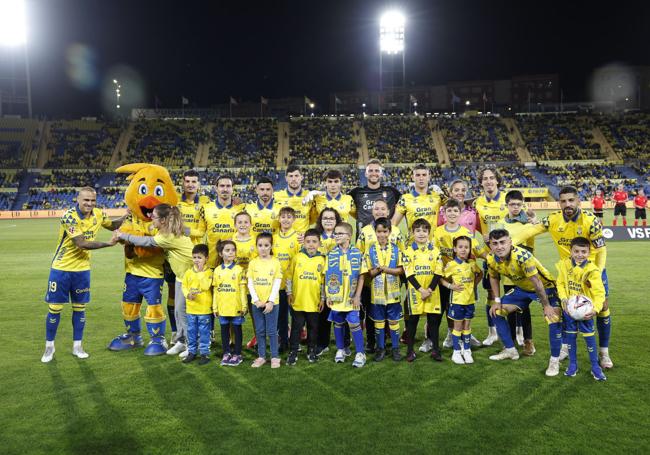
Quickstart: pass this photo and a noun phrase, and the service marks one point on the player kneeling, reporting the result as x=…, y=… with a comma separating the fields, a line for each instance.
x=577, y=276
x=531, y=282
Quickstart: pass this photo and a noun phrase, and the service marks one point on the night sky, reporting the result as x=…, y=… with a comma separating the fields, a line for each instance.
x=209, y=50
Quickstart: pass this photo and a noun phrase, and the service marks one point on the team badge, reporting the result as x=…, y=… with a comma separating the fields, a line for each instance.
x=579, y=231
x=233, y=276
x=333, y=285
x=385, y=194
x=319, y=268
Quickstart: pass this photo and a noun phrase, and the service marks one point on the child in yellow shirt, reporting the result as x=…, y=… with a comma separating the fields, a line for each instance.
x=197, y=289
x=230, y=301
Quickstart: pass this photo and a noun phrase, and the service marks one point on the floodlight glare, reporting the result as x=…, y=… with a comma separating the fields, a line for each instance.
x=13, y=31
x=391, y=32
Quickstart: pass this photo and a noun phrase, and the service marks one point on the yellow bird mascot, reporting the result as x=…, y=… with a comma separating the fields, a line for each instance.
x=149, y=186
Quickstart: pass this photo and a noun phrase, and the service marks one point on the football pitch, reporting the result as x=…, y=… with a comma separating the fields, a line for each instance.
x=128, y=403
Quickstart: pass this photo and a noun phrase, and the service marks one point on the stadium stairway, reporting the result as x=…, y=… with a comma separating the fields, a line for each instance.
x=600, y=139
x=515, y=137
x=438, y=142
x=282, y=155
x=23, y=191
x=121, y=147
x=363, y=140
x=43, y=152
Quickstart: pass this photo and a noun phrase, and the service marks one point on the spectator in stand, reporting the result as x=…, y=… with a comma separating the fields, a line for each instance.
x=323, y=140
x=399, y=139
x=477, y=138
x=559, y=137
x=243, y=142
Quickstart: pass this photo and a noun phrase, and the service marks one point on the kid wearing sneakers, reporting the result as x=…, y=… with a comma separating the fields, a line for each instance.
x=343, y=285
x=230, y=302
x=304, y=292
x=461, y=276
x=383, y=266
x=578, y=275
x=197, y=289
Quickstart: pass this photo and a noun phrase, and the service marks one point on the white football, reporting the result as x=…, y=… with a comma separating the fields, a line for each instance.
x=578, y=306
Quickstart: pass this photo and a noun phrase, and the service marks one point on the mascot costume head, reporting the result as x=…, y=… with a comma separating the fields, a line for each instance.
x=149, y=185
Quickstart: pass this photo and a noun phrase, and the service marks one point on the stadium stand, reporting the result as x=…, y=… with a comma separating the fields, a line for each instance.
x=588, y=177
x=628, y=133
x=243, y=142
x=400, y=139
x=170, y=143
x=559, y=137
x=323, y=140
x=17, y=136
x=477, y=138
x=247, y=150
x=80, y=144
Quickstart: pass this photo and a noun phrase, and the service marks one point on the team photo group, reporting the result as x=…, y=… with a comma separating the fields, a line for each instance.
x=372, y=266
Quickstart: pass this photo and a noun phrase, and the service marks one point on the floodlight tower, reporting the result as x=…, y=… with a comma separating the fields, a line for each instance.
x=391, y=48
x=13, y=36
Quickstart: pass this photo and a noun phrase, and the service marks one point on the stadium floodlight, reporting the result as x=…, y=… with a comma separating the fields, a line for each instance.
x=391, y=32
x=392, y=45
x=13, y=31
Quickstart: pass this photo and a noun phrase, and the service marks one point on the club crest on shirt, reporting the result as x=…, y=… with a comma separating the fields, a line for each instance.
x=333, y=285
x=579, y=231
x=319, y=267
x=384, y=194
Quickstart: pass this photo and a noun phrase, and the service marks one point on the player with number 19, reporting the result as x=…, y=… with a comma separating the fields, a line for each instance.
x=70, y=271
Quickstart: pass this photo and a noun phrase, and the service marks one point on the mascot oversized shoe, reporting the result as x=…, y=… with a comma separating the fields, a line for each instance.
x=126, y=342
x=157, y=346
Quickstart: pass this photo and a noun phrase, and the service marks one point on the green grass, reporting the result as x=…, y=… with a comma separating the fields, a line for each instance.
x=126, y=403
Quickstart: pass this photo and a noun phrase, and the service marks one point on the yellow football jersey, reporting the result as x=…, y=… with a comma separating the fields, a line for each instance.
x=285, y=247
x=230, y=291
x=343, y=203
x=264, y=272
x=307, y=274
x=191, y=213
x=585, y=279
x=201, y=282
x=285, y=198
x=149, y=266
x=444, y=240
x=218, y=222
x=264, y=219
x=177, y=250
x=420, y=261
x=519, y=266
x=491, y=210
x=367, y=237
x=463, y=273
x=562, y=230
x=68, y=256
x=414, y=205
x=246, y=251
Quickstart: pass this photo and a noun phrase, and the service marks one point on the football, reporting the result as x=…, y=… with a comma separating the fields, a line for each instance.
x=578, y=306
